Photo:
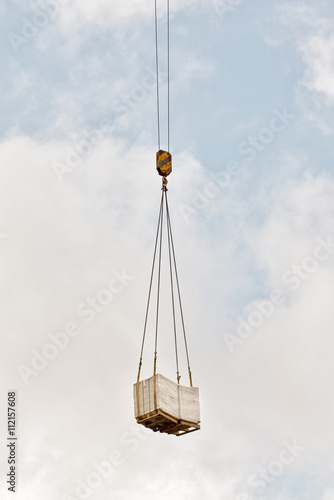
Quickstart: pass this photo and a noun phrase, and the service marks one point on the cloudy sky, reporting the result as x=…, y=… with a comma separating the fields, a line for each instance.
x=252, y=206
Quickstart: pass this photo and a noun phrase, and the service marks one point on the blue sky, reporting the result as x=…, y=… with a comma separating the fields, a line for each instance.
x=251, y=199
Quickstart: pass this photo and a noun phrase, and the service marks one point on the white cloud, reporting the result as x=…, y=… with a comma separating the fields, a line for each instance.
x=277, y=380
x=72, y=15
x=64, y=240
x=297, y=220
x=329, y=494
x=310, y=28
x=315, y=92
x=318, y=54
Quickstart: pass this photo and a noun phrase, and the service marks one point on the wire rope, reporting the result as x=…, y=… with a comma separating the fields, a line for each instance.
x=172, y=291
x=178, y=291
x=157, y=69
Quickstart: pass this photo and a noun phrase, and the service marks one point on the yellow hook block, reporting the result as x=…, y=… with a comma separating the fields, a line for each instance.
x=164, y=163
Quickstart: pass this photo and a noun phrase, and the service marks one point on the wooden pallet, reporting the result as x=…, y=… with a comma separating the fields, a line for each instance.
x=159, y=421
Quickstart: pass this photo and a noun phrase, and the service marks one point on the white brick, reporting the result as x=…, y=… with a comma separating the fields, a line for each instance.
x=179, y=401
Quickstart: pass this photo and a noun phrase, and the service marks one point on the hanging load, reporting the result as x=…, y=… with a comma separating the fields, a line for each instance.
x=165, y=406
x=161, y=404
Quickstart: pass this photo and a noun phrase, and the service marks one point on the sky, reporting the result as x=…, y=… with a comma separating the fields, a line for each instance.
x=251, y=199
